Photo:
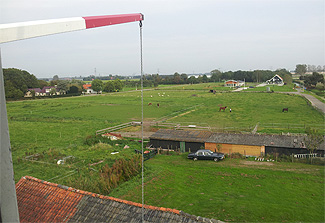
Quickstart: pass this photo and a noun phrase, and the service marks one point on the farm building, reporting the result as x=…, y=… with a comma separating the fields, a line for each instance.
x=246, y=144
x=89, y=90
x=275, y=80
x=46, y=91
x=233, y=83
x=185, y=140
x=257, y=145
x=41, y=201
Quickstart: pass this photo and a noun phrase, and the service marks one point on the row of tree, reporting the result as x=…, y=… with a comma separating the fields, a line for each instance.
x=302, y=69
x=109, y=86
x=17, y=82
x=215, y=76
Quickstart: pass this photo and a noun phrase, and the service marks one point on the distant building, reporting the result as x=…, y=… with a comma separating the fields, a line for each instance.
x=275, y=80
x=89, y=90
x=233, y=83
x=46, y=91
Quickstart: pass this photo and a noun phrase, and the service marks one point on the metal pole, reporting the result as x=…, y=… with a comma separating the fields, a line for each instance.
x=142, y=171
x=8, y=198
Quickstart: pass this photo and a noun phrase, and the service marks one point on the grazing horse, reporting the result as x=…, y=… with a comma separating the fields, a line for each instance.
x=285, y=109
x=149, y=104
x=223, y=108
x=158, y=105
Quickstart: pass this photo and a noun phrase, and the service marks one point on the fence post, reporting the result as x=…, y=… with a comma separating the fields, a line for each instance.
x=292, y=157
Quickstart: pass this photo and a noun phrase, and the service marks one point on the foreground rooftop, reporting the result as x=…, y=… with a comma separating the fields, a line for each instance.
x=42, y=201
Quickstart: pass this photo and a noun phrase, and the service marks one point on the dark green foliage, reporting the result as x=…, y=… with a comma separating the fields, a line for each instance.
x=312, y=80
x=301, y=69
x=73, y=89
x=17, y=82
x=109, y=86
x=97, y=85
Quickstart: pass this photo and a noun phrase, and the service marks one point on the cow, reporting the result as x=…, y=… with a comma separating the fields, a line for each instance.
x=149, y=104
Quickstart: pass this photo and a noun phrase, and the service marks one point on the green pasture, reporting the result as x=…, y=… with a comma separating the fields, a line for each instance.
x=218, y=86
x=231, y=190
x=275, y=88
x=47, y=130
x=63, y=122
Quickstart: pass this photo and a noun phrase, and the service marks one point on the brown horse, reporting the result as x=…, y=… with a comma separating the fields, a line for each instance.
x=223, y=108
x=285, y=109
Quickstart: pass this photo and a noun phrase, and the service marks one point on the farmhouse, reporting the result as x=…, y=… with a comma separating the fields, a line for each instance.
x=184, y=140
x=41, y=201
x=46, y=91
x=89, y=90
x=233, y=83
x=246, y=144
x=275, y=80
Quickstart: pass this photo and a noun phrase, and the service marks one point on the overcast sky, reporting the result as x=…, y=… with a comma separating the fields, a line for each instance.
x=184, y=36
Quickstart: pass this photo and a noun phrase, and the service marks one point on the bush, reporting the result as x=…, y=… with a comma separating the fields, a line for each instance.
x=94, y=139
x=122, y=170
x=236, y=156
x=320, y=86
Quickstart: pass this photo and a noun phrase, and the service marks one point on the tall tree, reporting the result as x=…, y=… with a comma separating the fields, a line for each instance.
x=97, y=85
x=301, y=69
x=17, y=82
x=43, y=83
x=63, y=86
x=311, y=80
x=55, y=78
x=118, y=85
x=215, y=75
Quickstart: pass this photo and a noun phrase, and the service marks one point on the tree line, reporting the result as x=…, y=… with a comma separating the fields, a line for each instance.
x=153, y=80
x=17, y=82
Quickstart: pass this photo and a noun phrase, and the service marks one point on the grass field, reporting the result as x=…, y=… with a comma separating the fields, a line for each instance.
x=232, y=190
x=63, y=122
x=275, y=88
x=47, y=130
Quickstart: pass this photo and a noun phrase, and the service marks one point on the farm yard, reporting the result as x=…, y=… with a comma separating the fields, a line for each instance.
x=42, y=132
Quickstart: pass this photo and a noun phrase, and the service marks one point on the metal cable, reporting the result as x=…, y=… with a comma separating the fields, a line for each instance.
x=142, y=159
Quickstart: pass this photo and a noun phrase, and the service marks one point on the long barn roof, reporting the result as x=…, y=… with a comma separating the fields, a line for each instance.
x=285, y=141
x=42, y=201
x=181, y=135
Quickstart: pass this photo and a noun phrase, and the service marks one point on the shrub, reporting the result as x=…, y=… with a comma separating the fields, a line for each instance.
x=236, y=156
x=94, y=139
x=122, y=170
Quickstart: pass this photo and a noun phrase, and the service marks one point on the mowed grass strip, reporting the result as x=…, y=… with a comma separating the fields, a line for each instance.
x=231, y=190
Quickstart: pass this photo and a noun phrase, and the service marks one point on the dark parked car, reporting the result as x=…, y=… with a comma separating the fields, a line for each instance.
x=205, y=154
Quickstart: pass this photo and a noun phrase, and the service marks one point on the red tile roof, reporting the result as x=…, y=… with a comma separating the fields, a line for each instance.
x=86, y=86
x=42, y=201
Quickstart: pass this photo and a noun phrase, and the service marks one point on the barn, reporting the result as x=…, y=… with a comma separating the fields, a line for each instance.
x=258, y=145
x=245, y=144
x=184, y=140
x=275, y=80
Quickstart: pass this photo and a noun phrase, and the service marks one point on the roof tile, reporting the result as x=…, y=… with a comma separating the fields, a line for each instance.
x=41, y=201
